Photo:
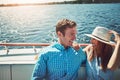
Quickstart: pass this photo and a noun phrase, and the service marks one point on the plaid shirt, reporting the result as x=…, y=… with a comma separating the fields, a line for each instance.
x=58, y=63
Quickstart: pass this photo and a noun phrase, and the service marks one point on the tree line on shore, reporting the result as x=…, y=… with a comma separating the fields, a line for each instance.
x=97, y=1
x=65, y=2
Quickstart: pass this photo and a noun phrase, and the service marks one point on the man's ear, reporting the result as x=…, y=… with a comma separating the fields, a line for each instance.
x=59, y=34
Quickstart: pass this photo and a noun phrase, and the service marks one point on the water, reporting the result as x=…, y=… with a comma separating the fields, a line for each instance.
x=36, y=24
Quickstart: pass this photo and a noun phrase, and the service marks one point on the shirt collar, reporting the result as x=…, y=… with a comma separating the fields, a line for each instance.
x=59, y=46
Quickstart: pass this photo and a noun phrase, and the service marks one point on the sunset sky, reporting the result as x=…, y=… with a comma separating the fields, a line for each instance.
x=30, y=1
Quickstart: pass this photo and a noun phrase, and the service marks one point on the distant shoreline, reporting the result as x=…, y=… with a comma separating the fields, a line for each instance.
x=51, y=3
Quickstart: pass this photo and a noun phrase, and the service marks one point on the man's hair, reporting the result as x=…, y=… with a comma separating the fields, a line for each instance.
x=63, y=24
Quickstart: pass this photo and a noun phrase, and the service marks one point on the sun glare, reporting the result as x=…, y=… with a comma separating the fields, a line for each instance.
x=30, y=1
x=26, y=1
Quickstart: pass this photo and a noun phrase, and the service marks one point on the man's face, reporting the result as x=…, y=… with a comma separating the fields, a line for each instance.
x=67, y=39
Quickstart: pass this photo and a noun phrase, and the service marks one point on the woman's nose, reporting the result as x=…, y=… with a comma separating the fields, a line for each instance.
x=92, y=40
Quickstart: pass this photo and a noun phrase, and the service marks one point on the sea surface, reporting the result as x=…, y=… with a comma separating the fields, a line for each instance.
x=36, y=24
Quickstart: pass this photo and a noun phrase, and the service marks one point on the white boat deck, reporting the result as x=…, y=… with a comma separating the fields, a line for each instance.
x=19, y=56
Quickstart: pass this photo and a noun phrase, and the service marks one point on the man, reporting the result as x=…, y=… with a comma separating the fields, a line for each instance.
x=60, y=61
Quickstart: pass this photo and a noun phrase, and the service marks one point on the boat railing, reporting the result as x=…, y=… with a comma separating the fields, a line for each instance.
x=6, y=45
x=34, y=45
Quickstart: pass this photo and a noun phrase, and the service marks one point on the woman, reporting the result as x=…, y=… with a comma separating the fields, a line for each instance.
x=102, y=54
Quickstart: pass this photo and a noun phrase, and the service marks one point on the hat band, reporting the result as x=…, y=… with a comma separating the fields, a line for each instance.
x=100, y=38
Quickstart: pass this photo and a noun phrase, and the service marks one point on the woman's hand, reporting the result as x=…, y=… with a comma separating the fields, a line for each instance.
x=117, y=36
x=76, y=46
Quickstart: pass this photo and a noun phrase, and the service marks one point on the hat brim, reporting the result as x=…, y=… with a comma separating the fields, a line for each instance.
x=106, y=42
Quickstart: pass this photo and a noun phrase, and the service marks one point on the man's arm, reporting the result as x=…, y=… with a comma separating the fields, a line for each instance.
x=39, y=71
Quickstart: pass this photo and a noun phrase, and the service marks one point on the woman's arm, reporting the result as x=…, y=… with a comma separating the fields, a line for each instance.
x=115, y=58
x=77, y=46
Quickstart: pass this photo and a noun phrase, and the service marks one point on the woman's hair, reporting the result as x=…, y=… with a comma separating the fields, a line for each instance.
x=104, y=51
x=63, y=24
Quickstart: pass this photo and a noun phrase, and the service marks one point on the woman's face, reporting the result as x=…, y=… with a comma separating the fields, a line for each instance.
x=94, y=42
x=97, y=46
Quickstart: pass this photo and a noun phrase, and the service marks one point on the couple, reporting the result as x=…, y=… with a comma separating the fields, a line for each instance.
x=62, y=60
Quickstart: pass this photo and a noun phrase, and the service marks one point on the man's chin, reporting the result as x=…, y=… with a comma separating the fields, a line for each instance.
x=70, y=44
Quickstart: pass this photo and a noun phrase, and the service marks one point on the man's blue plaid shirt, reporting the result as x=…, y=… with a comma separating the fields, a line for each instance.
x=58, y=63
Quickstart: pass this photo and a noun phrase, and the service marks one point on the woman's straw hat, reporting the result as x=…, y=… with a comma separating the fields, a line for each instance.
x=101, y=34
